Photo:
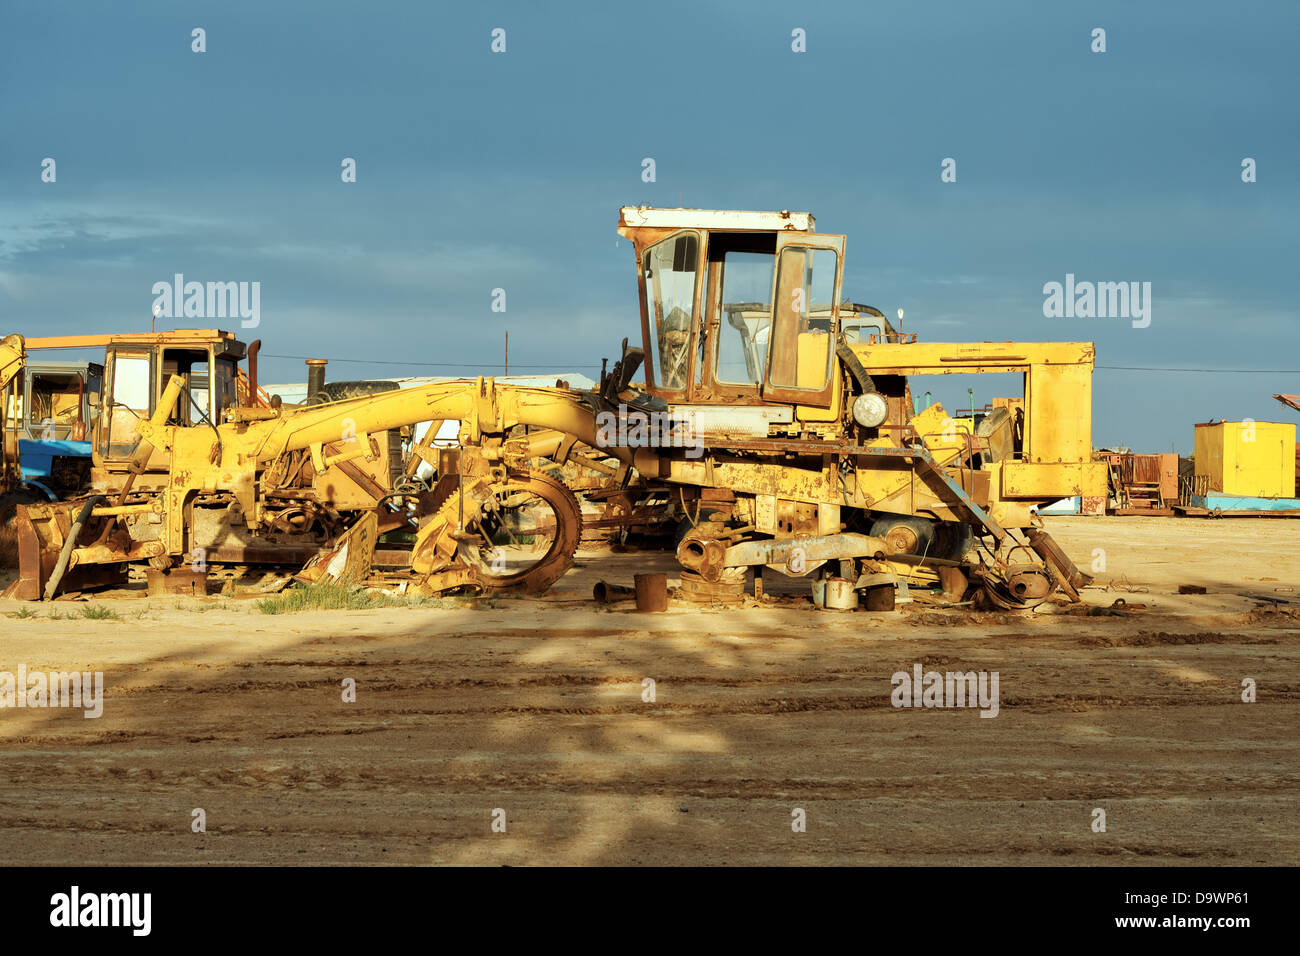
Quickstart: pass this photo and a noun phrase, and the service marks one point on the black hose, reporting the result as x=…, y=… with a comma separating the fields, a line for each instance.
x=851, y=362
x=68, y=544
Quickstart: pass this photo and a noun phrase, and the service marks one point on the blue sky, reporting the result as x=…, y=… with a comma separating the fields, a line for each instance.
x=479, y=170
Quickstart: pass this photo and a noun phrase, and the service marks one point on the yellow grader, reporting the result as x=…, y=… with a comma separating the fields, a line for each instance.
x=790, y=439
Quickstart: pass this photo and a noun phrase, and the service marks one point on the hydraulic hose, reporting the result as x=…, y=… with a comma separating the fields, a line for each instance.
x=851, y=362
x=52, y=585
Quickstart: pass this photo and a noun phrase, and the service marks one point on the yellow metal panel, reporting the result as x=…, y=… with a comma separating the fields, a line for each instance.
x=1058, y=426
x=1040, y=480
x=1209, y=455
x=812, y=374
x=964, y=358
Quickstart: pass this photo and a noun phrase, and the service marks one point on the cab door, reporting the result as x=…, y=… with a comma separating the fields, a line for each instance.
x=128, y=401
x=805, y=319
x=670, y=304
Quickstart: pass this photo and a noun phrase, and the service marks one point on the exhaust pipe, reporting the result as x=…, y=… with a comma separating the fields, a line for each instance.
x=253, y=348
x=315, y=378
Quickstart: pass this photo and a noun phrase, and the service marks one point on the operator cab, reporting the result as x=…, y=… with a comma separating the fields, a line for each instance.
x=737, y=308
x=138, y=368
x=55, y=401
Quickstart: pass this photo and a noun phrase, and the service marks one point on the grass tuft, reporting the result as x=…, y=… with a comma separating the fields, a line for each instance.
x=97, y=612
x=337, y=597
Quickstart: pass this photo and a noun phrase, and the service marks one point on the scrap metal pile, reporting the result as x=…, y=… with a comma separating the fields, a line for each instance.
x=792, y=444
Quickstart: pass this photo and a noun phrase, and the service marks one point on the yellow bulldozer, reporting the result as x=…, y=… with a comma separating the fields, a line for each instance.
x=792, y=443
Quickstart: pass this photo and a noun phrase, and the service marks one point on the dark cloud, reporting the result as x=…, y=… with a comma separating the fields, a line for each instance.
x=479, y=171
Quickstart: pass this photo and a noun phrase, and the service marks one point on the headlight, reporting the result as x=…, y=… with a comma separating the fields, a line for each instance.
x=870, y=410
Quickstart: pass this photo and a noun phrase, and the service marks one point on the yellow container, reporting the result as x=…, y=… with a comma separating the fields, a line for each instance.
x=1254, y=459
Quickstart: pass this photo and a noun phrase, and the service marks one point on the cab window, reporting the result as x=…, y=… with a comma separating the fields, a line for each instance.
x=56, y=400
x=801, y=324
x=131, y=392
x=670, y=269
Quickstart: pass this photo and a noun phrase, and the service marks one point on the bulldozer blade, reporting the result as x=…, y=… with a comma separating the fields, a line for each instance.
x=41, y=530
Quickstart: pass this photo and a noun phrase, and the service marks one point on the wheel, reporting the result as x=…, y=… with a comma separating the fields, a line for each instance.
x=527, y=534
x=953, y=539
x=905, y=534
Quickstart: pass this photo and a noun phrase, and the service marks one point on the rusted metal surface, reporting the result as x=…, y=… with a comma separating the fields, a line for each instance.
x=1017, y=588
x=879, y=597
x=954, y=582
x=803, y=550
x=606, y=593
x=1142, y=483
x=179, y=581
x=315, y=378
x=725, y=593
x=349, y=560
x=1070, y=577
x=651, y=592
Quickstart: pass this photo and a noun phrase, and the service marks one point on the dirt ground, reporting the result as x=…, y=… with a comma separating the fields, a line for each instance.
x=535, y=708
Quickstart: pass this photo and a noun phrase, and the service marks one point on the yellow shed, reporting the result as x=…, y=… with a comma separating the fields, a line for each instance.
x=1254, y=459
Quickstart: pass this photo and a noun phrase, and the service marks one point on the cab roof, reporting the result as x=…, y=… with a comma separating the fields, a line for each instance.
x=717, y=220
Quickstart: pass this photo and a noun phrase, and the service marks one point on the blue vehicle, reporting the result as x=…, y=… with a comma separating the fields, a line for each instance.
x=50, y=412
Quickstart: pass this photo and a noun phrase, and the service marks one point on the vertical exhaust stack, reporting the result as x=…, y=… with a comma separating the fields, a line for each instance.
x=315, y=378
x=253, y=348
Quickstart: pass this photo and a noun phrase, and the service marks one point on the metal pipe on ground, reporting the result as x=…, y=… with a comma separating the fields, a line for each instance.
x=606, y=593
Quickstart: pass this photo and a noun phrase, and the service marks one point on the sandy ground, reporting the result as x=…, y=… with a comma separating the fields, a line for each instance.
x=536, y=708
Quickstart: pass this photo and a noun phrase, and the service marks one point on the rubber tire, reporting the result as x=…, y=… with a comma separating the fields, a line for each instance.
x=953, y=539
x=923, y=527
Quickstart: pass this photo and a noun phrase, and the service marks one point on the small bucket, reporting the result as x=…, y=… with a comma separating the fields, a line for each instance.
x=651, y=592
x=840, y=595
